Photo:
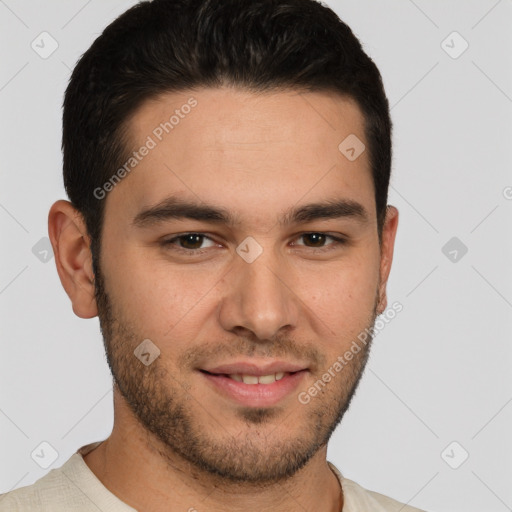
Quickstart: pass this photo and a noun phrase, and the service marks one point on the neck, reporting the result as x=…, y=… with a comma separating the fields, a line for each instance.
x=138, y=469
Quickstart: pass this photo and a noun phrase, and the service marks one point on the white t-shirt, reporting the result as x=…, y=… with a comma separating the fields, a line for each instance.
x=75, y=488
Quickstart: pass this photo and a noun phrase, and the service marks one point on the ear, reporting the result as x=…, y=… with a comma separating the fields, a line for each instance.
x=386, y=254
x=73, y=257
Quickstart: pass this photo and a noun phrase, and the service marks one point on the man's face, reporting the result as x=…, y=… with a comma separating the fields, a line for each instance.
x=287, y=300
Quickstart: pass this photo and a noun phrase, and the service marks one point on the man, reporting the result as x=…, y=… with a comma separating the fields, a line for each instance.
x=227, y=164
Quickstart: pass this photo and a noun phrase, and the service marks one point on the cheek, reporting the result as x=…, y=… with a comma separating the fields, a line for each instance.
x=343, y=296
x=156, y=299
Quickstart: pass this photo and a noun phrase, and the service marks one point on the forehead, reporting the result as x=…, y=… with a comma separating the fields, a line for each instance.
x=250, y=152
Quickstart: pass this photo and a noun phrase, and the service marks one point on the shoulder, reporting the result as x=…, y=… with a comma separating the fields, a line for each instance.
x=34, y=497
x=71, y=487
x=358, y=498
x=373, y=500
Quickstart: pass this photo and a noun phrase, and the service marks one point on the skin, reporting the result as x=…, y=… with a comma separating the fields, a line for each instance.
x=177, y=443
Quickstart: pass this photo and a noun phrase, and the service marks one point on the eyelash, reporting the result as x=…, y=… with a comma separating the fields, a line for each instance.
x=193, y=252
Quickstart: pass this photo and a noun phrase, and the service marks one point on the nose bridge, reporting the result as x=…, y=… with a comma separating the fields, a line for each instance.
x=258, y=298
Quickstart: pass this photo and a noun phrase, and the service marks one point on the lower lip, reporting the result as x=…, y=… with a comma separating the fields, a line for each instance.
x=255, y=395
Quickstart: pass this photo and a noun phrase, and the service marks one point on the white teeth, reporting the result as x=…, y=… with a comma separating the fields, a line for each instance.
x=254, y=379
x=267, y=379
x=250, y=379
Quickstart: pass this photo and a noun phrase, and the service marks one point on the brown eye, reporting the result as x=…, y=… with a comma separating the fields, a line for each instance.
x=191, y=241
x=314, y=239
x=321, y=241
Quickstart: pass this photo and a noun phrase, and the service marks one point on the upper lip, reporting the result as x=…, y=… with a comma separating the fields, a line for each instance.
x=248, y=368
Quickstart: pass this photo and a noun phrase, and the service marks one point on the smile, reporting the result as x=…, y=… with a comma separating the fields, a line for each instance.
x=255, y=379
x=254, y=390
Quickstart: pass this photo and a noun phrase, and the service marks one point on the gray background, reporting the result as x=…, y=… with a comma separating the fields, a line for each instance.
x=438, y=373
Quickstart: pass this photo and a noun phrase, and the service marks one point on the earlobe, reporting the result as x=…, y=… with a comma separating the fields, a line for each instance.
x=386, y=254
x=73, y=258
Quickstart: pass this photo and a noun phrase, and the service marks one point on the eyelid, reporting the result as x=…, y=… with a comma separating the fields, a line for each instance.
x=171, y=243
x=336, y=238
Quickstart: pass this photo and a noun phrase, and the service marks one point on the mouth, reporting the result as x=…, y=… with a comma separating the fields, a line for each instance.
x=253, y=379
x=256, y=387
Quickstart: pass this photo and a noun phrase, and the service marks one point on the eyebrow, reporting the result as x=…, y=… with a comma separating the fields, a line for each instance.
x=176, y=208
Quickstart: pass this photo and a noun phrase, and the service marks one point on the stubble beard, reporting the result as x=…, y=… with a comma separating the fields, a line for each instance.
x=164, y=408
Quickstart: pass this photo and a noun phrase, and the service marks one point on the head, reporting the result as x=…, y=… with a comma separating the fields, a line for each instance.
x=215, y=211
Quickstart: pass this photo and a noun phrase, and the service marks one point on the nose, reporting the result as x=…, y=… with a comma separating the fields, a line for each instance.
x=259, y=298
